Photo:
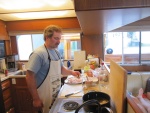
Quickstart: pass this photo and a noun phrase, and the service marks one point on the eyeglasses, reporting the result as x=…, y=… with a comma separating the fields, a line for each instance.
x=57, y=38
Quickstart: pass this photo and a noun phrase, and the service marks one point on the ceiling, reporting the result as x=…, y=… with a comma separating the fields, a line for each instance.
x=91, y=21
x=13, y=10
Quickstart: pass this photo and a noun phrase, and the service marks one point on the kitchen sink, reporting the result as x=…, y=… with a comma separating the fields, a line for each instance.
x=20, y=72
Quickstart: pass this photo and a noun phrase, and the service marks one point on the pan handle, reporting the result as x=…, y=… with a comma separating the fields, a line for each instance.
x=39, y=111
x=89, y=102
x=108, y=109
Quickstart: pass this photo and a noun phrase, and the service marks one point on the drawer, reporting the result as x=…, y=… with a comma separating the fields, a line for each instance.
x=5, y=84
x=6, y=94
x=8, y=104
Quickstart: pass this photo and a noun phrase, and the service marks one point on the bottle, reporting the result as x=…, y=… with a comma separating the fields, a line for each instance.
x=23, y=67
x=103, y=73
x=68, y=64
x=6, y=72
x=102, y=66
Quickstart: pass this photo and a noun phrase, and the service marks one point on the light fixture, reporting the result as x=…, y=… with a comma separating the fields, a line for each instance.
x=38, y=15
x=56, y=3
x=20, y=4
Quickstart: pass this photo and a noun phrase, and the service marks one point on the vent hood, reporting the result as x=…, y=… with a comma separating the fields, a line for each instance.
x=98, y=16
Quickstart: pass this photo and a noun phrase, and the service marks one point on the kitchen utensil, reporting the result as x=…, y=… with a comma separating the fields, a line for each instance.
x=97, y=102
x=73, y=93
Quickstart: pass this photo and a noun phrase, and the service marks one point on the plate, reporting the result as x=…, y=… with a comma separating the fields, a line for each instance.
x=73, y=80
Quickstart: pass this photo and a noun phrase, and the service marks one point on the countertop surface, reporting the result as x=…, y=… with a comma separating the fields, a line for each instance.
x=11, y=75
x=67, y=88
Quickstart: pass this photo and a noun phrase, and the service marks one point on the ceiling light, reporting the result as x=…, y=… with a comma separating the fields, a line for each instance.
x=56, y=2
x=31, y=15
x=20, y=4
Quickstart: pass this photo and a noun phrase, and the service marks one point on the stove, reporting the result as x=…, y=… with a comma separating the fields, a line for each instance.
x=70, y=105
x=67, y=105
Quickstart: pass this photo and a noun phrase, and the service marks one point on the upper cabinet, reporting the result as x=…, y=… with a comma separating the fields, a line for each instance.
x=11, y=46
x=3, y=31
x=13, y=42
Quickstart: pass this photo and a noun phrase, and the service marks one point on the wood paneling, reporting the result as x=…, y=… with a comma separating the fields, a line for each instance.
x=14, y=47
x=95, y=22
x=8, y=47
x=92, y=45
x=140, y=25
x=39, y=25
x=3, y=32
x=135, y=68
x=98, y=16
x=2, y=106
x=84, y=5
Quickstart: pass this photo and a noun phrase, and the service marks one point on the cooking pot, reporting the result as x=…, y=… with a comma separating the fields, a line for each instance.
x=95, y=102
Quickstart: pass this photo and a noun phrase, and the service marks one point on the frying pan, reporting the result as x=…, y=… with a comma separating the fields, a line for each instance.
x=96, y=102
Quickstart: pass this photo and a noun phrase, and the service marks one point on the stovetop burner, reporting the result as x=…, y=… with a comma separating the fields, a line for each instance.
x=70, y=105
x=59, y=108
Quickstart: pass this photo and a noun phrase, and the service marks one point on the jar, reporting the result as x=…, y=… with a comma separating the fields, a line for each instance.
x=6, y=72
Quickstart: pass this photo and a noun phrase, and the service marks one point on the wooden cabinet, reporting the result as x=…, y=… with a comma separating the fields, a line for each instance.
x=3, y=31
x=8, y=47
x=14, y=48
x=7, y=96
x=11, y=46
x=22, y=97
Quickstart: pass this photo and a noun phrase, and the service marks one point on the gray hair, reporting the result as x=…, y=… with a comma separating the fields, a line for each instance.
x=49, y=31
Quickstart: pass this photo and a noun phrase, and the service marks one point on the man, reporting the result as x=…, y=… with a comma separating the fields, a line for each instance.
x=44, y=70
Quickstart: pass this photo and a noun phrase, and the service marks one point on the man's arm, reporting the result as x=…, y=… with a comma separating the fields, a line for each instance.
x=31, y=83
x=66, y=72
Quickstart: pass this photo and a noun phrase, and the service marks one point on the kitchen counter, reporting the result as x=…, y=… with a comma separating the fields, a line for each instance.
x=66, y=89
x=11, y=75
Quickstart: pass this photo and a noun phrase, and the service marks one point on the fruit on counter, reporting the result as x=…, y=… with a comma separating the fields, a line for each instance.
x=92, y=66
x=89, y=73
x=86, y=68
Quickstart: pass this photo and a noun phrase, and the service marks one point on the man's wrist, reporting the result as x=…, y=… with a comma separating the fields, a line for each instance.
x=71, y=72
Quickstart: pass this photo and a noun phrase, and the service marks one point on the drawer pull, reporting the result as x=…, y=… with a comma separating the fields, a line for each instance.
x=3, y=88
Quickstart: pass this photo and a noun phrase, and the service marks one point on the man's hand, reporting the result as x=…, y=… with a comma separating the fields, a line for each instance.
x=38, y=104
x=76, y=73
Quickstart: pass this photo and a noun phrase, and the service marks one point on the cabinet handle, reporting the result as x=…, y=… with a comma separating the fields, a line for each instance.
x=3, y=88
x=9, y=110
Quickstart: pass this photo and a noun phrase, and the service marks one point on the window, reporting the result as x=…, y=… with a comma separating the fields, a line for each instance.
x=145, y=47
x=24, y=43
x=69, y=43
x=127, y=47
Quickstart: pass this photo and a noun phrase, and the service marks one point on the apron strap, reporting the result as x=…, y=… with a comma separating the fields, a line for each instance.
x=48, y=67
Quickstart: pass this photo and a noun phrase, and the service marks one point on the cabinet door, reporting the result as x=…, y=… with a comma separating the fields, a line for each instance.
x=21, y=97
x=2, y=106
x=14, y=47
x=8, y=47
x=3, y=32
x=24, y=100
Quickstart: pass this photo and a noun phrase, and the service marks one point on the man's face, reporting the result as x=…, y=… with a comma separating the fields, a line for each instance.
x=54, y=41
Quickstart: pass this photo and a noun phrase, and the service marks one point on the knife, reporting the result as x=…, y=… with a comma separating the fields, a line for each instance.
x=73, y=93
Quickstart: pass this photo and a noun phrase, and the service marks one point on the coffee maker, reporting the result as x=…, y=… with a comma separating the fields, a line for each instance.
x=11, y=62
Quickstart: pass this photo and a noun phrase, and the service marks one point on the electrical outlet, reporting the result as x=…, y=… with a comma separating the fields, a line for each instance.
x=13, y=81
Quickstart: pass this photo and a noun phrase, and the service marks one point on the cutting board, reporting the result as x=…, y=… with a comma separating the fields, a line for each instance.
x=79, y=59
x=117, y=84
x=68, y=88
